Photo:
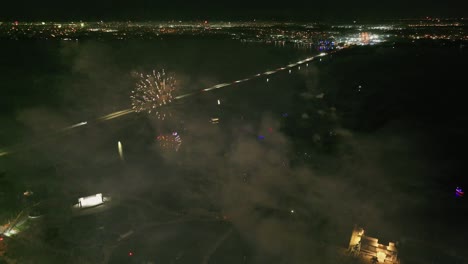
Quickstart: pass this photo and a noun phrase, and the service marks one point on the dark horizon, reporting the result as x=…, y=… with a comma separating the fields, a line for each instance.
x=238, y=20
x=210, y=10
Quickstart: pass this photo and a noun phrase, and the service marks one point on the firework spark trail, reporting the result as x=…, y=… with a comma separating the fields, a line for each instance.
x=74, y=126
x=170, y=141
x=120, y=149
x=37, y=142
x=116, y=114
x=156, y=91
x=45, y=138
x=216, y=245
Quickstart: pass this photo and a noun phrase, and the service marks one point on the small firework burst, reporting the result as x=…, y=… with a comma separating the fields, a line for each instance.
x=169, y=141
x=153, y=91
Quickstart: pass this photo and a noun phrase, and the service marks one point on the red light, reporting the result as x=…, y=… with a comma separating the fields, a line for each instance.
x=130, y=254
x=1, y=238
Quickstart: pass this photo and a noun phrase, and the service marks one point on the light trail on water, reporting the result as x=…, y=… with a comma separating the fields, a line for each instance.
x=224, y=85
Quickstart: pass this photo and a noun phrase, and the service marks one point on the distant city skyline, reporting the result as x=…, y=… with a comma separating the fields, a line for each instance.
x=321, y=36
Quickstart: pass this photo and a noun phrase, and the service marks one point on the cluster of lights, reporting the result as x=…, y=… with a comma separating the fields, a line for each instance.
x=44, y=30
x=302, y=36
x=153, y=91
x=279, y=36
x=438, y=24
x=363, y=38
x=448, y=36
x=459, y=192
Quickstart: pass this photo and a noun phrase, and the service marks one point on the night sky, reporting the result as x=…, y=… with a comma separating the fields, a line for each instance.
x=219, y=10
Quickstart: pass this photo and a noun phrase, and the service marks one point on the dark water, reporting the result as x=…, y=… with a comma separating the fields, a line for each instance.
x=83, y=80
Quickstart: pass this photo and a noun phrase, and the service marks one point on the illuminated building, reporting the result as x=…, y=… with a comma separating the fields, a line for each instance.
x=214, y=121
x=90, y=201
x=368, y=247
